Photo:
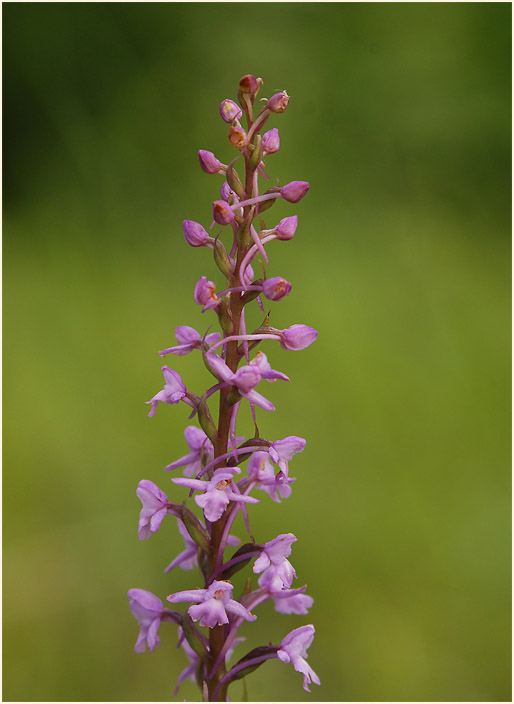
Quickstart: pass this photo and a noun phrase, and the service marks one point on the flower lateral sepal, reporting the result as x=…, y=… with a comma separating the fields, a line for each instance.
x=195, y=529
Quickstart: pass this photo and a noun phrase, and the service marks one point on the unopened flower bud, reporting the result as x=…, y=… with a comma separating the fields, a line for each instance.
x=276, y=288
x=278, y=102
x=222, y=212
x=225, y=265
x=208, y=162
x=195, y=234
x=249, y=84
x=230, y=111
x=297, y=337
x=270, y=141
x=294, y=191
x=226, y=192
x=287, y=227
x=237, y=137
x=234, y=181
x=204, y=293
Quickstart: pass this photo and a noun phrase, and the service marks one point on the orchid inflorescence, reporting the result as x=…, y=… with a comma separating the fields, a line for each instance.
x=211, y=468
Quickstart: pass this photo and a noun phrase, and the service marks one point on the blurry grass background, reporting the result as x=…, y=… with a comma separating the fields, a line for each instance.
x=400, y=119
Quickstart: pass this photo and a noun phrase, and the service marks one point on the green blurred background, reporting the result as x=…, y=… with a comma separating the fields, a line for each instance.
x=400, y=119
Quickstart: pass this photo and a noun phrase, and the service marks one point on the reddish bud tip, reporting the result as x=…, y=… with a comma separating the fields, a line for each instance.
x=249, y=84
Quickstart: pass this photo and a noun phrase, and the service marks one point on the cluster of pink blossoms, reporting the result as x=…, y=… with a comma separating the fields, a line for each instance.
x=212, y=468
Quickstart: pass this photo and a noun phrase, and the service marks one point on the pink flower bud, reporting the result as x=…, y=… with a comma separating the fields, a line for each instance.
x=222, y=212
x=294, y=191
x=230, y=111
x=297, y=337
x=276, y=288
x=204, y=293
x=226, y=192
x=249, y=84
x=287, y=227
x=194, y=234
x=270, y=141
x=208, y=162
x=237, y=137
x=278, y=102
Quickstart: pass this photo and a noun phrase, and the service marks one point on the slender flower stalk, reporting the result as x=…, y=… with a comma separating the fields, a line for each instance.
x=217, y=485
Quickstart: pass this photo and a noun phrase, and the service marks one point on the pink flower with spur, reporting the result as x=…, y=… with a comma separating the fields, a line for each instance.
x=155, y=507
x=212, y=604
x=246, y=378
x=262, y=471
x=148, y=610
x=188, y=340
x=174, y=390
x=204, y=294
x=293, y=649
x=274, y=558
x=218, y=492
x=200, y=448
